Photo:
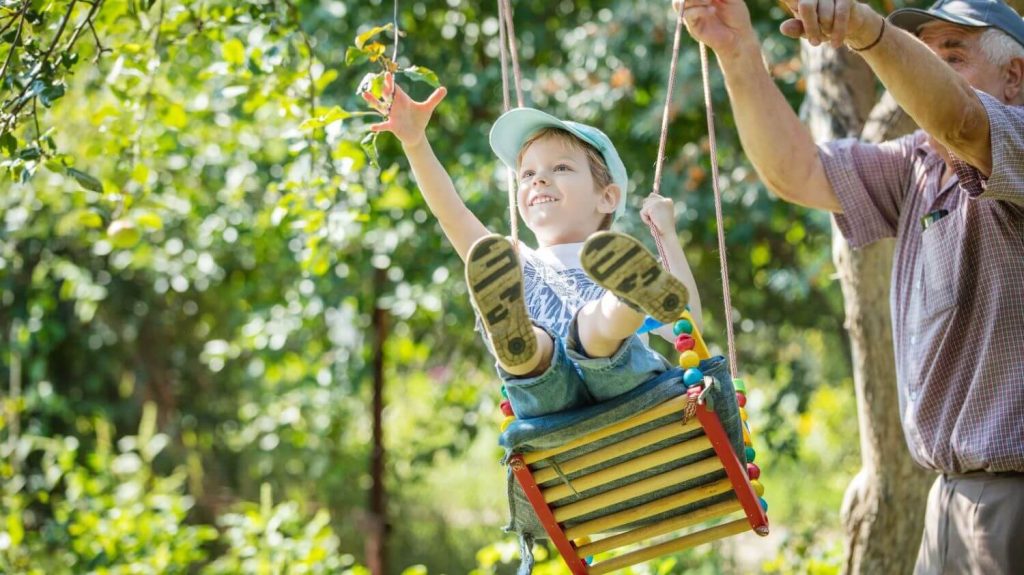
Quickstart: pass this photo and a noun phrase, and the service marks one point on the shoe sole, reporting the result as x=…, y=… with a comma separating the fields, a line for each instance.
x=495, y=283
x=623, y=266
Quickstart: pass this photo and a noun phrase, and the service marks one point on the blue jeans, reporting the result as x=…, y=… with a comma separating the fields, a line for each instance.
x=575, y=380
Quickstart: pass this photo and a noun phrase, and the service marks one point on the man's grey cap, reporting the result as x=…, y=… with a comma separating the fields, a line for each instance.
x=972, y=13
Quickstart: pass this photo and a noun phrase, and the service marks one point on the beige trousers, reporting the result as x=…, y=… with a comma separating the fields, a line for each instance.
x=974, y=524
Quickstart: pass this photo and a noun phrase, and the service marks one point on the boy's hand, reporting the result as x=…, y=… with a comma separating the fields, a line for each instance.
x=406, y=118
x=720, y=24
x=660, y=212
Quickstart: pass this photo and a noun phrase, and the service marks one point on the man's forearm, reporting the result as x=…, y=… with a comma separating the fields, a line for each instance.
x=778, y=145
x=940, y=100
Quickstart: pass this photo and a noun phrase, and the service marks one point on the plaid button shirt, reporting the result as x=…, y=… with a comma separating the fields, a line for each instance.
x=957, y=295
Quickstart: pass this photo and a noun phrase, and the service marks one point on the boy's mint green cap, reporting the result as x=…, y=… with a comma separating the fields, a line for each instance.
x=514, y=127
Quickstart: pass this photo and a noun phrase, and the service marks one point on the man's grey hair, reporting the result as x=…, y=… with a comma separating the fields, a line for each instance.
x=999, y=47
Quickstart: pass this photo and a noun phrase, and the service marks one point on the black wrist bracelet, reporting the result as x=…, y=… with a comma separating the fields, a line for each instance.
x=873, y=44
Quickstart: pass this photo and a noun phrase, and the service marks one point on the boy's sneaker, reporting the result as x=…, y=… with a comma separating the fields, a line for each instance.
x=495, y=283
x=623, y=266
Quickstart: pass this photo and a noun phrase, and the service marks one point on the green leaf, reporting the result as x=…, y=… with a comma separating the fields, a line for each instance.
x=366, y=36
x=89, y=219
x=369, y=145
x=32, y=153
x=421, y=74
x=335, y=114
x=85, y=180
x=174, y=117
x=50, y=93
x=233, y=51
x=355, y=56
x=15, y=530
x=372, y=83
x=395, y=197
x=140, y=173
x=9, y=143
x=326, y=78
x=150, y=221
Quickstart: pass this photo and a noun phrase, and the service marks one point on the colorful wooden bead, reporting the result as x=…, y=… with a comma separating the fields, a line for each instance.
x=693, y=376
x=506, y=408
x=684, y=342
x=504, y=392
x=764, y=504
x=750, y=453
x=682, y=326
x=739, y=385
x=688, y=359
x=753, y=471
x=507, y=422
x=581, y=541
x=746, y=437
x=758, y=487
x=743, y=414
x=741, y=399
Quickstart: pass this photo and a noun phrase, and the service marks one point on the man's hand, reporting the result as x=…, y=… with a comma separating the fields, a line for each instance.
x=660, y=212
x=720, y=24
x=827, y=20
x=407, y=119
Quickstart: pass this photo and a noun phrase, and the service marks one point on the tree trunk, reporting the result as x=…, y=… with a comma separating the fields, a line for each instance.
x=883, y=508
x=377, y=520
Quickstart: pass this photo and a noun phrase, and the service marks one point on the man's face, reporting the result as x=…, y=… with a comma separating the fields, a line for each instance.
x=960, y=47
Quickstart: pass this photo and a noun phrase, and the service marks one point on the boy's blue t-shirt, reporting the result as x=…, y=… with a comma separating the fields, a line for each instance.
x=555, y=285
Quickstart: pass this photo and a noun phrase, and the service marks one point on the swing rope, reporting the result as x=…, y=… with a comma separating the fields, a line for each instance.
x=509, y=52
x=507, y=39
x=705, y=78
x=663, y=138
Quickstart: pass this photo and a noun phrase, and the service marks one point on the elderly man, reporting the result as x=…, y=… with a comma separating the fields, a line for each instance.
x=952, y=194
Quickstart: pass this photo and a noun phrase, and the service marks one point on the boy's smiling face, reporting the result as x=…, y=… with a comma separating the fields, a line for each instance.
x=558, y=198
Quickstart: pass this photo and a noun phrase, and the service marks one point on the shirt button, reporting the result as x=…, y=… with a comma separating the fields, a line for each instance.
x=913, y=340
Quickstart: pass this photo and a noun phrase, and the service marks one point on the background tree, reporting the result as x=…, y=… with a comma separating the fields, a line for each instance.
x=841, y=102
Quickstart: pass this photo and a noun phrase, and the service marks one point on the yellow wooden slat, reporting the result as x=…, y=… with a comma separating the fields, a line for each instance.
x=649, y=509
x=627, y=468
x=669, y=525
x=627, y=492
x=618, y=449
x=676, y=545
x=673, y=405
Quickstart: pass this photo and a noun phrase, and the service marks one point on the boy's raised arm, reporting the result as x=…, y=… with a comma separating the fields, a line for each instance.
x=408, y=120
x=660, y=211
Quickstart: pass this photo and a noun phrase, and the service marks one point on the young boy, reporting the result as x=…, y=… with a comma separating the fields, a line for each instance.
x=562, y=326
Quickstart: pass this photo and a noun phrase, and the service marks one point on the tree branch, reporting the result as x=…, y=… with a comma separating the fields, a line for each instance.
x=15, y=16
x=20, y=101
x=14, y=45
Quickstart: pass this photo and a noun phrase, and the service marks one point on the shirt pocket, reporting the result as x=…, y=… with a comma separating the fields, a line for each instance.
x=941, y=250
